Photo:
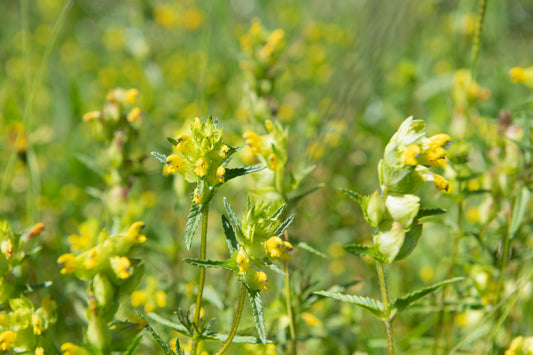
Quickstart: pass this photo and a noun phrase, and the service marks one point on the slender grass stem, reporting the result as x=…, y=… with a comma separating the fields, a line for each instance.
x=385, y=298
x=505, y=256
x=201, y=279
x=477, y=35
x=236, y=321
x=292, y=328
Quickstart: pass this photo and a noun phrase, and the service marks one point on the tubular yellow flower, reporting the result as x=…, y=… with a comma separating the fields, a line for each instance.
x=261, y=278
x=138, y=298
x=272, y=161
x=201, y=167
x=518, y=75
x=196, y=197
x=197, y=122
x=7, y=339
x=134, y=232
x=67, y=262
x=184, y=143
x=37, y=326
x=91, y=261
x=252, y=141
x=410, y=154
x=39, y=350
x=224, y=151
x=221, y=174
x=161, y=298
x=278, y=248
x=440, y=182
x=242, y=262
x=121, y=266
x=432, y=156
x=311, y=320
x=134, y=115
x=90, y=116
x=269, y=125
x=440, y=140
x=174, y=163
x=7, y=248
x=131, y=95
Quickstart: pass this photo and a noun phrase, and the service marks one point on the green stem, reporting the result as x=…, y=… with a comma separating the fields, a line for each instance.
x=449, y=274
x=477, y=36
x=201, y=280
x=292, y=328
x=385, y=298
x=236, y=321
x=505, y=256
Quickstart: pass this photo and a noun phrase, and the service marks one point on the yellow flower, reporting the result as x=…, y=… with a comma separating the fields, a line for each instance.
x=134, y=115
x=7, y=339
x=192, y=19
x=440, y=182
x=39, y=350
x=92, y=259
x=201, y=167
x=261, y=278
x=175, y=163
x=90, y=116
x=517, y=74
x=121, y=266
x=134, y=232
x=131, y=95
x=242, y=262
x=7, y=248
x=138, y=298
x=253, y=141
x=161, y=298
x=278, y=248
x=197, y=198
x=272, y=161
x=197, y=123
x=440, y=140
x=220, y=174
x=67, y=262
x=311, y=320
x=72, y=349
x=410, y=154
x=37, y=326
x=224, y=151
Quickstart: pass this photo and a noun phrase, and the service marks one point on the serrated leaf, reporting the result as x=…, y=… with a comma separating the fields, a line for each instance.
x=91, y=164
x=176, y=326
x=358, y=249
x=178, y=347
x=162, y=344
x=374, y=306
x=161, y=157
x=283, y=226
x=236, y=172
x=353, y=195
x=230, y=235
x=217, y=264
x=519, y=210
x=310, y=249
x=232, y=217
x=257, y=310
x=427, y=212
x=193, y=221
x=403, y=302
x=278, y=212
x=173, y=141
x=236, y=338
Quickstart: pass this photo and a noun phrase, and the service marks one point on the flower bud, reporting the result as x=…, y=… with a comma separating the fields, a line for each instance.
x=375, y=209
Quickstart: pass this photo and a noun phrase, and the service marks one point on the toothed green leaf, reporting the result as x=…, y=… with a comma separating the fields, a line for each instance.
x=370, y=304
x=257, y=309
x=236, y=172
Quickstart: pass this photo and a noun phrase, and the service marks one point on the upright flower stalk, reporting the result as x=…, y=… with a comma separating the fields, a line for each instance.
x=395, y=213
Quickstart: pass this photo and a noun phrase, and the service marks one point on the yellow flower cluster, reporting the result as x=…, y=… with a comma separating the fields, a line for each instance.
x=151, y=297
x=522, y=75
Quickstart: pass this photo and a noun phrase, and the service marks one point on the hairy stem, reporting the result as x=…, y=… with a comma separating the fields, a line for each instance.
x=385, y=298
x=201, y=279
x=292, y=328
x=236, y=321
